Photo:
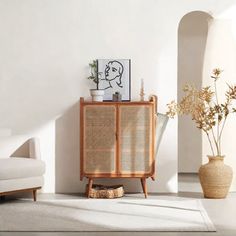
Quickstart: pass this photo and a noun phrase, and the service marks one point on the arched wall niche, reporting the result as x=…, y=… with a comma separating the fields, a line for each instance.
x=192, y=39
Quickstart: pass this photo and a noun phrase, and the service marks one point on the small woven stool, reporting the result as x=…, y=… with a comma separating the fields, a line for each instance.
x=102, y=191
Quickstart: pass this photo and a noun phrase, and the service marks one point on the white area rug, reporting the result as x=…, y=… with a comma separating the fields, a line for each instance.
x=104, y=215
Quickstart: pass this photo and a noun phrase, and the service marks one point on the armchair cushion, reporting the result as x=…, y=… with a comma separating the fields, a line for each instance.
x=18, y=184
x=16, y=168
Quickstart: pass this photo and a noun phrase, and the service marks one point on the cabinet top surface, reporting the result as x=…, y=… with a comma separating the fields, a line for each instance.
x=115, y=103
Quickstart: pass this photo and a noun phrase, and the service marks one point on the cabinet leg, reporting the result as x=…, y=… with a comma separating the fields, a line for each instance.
x=144, y=186
x=90, y=184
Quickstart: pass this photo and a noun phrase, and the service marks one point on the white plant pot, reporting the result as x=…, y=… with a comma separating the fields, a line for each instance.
x=97, y=95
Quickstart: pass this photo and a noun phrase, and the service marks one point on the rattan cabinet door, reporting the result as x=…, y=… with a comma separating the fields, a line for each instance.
x=135, y=139
x=99, y=151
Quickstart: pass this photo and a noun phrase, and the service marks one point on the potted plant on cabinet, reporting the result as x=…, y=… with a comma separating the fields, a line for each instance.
x=97, y=94
x=210, y=115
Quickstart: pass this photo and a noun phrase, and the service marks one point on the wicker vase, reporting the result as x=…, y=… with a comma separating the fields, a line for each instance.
x=215, y=177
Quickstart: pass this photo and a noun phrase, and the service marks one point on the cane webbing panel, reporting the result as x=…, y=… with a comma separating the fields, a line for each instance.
x=99, y=139
x=135, y=139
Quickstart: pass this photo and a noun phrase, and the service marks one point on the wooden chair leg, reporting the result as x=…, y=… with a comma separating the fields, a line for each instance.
x=90, y=184
x=35, y=194
x=144, y=186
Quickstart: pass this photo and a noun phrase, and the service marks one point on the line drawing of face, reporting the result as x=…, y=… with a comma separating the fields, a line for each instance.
x=114, y=71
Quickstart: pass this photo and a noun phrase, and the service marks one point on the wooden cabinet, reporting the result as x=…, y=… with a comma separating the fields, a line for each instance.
x=117, y=140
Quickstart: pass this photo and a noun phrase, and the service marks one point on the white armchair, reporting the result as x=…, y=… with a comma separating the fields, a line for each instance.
x=23, y=170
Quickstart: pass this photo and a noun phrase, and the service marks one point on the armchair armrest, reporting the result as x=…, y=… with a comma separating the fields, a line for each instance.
x=29, y=149
x=34, y=148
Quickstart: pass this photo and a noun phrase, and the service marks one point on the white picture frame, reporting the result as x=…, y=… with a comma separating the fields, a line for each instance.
x=115, y=77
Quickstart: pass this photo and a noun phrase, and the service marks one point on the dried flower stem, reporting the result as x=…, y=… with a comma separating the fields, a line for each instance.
x=218, y=145
x=210, y=142
x=222, y=129
x=214, y=138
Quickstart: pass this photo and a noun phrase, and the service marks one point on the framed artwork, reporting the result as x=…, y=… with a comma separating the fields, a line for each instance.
x=115, y=77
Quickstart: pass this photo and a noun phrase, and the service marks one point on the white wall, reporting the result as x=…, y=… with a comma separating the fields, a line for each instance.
x=192, y=36
x=45, y=49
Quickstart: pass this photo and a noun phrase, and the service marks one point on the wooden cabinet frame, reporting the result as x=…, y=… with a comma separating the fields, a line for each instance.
x=151, y=105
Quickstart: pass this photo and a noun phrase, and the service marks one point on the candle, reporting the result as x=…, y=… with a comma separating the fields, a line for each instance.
x=142, y=91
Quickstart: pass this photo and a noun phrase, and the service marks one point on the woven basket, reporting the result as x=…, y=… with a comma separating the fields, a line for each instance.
x=215, y=177
x=101, y=191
